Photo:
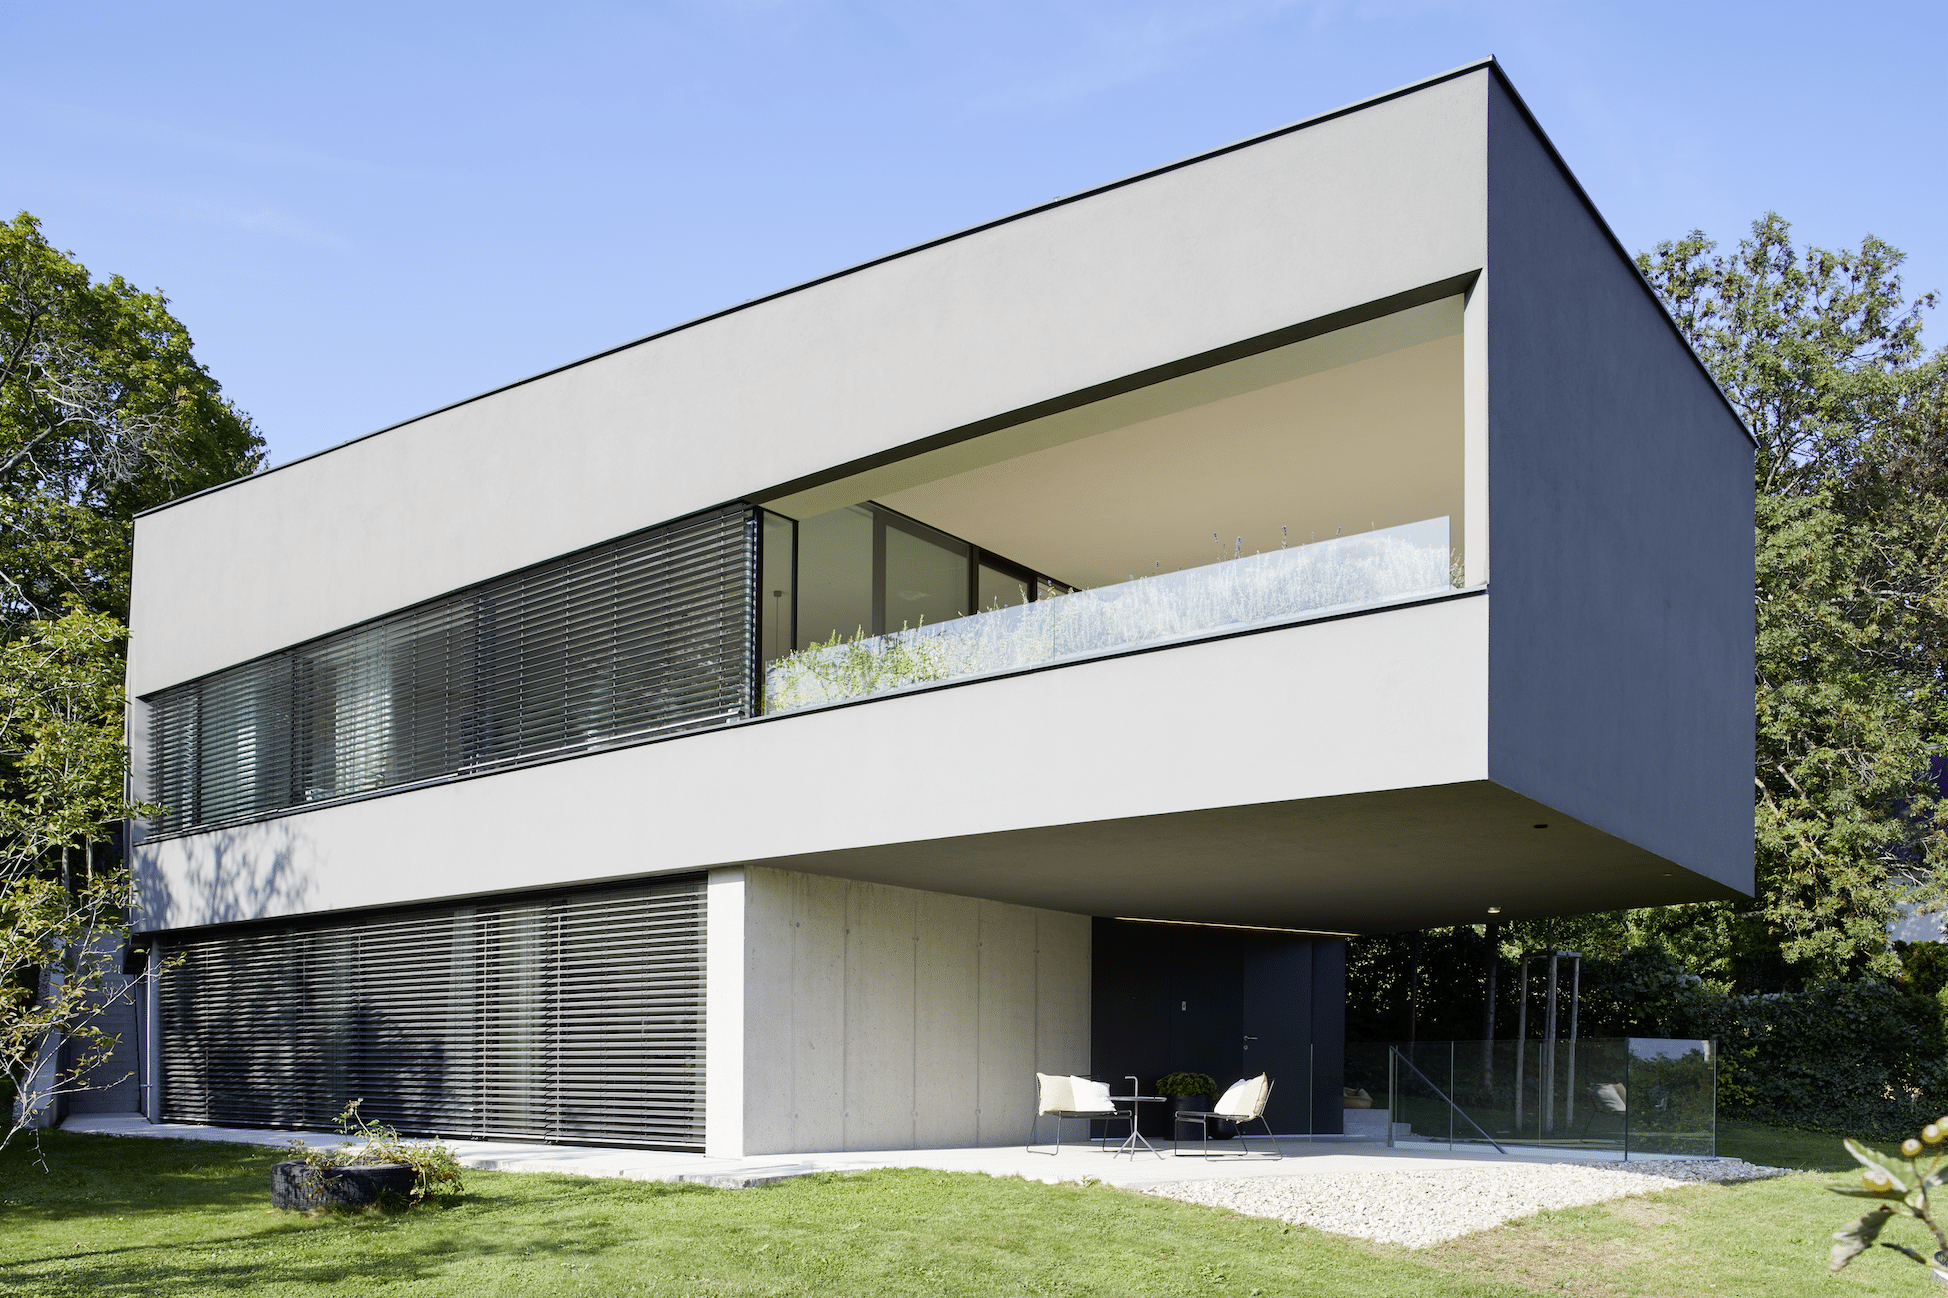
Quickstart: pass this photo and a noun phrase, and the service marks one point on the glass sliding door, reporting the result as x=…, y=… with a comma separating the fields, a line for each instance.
x=865, y=570
x=835, y=576
x=998, y=585
x=856, y=575
x=923, y=577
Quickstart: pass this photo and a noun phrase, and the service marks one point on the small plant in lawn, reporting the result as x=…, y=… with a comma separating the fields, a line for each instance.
x=1903, y=1191
x=436, y=1173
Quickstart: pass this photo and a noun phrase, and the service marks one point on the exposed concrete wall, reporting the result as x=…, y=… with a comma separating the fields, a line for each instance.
x=1343, y=212
x=1394, y=699
x=1621, y=519
x=878, y=1017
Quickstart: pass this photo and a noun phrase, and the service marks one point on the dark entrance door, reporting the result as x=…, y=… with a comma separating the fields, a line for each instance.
x=1229, y=1002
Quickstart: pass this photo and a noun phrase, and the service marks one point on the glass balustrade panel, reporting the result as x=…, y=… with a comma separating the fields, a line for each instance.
x=1238, y=594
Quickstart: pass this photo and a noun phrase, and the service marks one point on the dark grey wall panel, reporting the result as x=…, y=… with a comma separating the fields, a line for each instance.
x=575, y=1018
x=1620, y=514
x=1328, y=1036
x=644, y=636
x=1185, y=998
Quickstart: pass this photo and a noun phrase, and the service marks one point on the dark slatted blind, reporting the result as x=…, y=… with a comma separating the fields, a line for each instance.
x=645, y=636
x=576, y=1018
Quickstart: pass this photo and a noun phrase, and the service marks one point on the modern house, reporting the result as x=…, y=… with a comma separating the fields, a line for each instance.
x=1035, y=650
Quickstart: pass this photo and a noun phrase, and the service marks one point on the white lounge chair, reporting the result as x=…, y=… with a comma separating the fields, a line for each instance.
x=1244, y=1102
x=1070, y=1097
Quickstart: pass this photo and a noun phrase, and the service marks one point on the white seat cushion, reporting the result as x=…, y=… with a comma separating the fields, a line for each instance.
x=1245, y=1099
x=1054, y=1096
x=1090, y=1097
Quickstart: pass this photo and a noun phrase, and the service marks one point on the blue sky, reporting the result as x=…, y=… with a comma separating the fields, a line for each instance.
x=364, y=211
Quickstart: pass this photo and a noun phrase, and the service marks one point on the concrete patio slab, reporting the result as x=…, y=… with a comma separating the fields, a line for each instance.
x=1304, y=1155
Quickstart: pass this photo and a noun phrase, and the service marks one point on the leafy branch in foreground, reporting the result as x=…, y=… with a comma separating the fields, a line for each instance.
x=1902, y=1192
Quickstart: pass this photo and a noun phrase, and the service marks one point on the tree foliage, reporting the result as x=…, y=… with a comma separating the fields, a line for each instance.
x=63, y=894
x=1822, y=355
x=104, y=411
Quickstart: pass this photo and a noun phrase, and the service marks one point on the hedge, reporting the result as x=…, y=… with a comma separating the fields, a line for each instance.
x=1865, y=1057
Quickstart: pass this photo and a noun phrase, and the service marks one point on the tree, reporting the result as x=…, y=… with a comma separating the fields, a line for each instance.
x=64, y=898
x=104, y=411
x=1822, y=356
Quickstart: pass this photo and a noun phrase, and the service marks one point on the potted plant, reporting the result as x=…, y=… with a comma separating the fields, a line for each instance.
x=372, y=1164
x=1187, y=1092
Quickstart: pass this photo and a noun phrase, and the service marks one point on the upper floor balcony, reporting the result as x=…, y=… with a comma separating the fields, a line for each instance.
x=1317, y=479
x=1319, y=516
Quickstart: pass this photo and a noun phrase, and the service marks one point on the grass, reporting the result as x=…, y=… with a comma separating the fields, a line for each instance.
x=1784, y=1147
x=137, y=1216
x=1760, y=1239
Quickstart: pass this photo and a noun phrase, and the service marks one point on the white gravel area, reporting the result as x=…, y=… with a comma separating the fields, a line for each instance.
x=1422, y=1206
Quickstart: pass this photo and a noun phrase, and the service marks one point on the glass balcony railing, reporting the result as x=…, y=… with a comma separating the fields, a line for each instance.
x=1238, y=594
x=1628, y=1095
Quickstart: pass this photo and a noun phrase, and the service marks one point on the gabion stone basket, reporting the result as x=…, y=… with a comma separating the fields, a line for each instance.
x=298, y=1187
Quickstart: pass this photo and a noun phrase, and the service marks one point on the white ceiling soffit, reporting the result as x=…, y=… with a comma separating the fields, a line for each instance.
x=1347, y=346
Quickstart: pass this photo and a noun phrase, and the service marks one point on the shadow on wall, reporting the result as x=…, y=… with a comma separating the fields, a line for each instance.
x=244, y=873
x=220, y=877
x=283, y=1026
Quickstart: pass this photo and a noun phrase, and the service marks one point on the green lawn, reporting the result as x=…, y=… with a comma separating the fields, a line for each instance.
x=1761, y=1239
x=1785, y=1147
x=139, y=1216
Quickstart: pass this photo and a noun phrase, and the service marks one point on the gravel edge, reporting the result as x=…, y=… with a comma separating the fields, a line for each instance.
x=1421, y=1206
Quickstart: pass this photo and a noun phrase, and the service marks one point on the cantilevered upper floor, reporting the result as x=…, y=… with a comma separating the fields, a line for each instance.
x=1285, y=536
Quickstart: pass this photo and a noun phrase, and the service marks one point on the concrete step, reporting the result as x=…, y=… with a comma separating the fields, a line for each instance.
x=1372, y=1123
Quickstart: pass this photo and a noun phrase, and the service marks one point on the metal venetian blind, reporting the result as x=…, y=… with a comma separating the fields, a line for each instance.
x=577, y=1019
x=644, y=636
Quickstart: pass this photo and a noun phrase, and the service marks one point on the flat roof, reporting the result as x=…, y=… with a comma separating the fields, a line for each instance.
x=1490, y=63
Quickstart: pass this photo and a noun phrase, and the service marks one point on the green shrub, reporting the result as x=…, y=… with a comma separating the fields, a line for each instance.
x=1924, y=965
x=1180, y=1084
x=1864, y=1058
x=436, y=1173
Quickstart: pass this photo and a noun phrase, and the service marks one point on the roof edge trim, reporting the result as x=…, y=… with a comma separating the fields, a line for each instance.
x=966, y=231
x=1501, y=77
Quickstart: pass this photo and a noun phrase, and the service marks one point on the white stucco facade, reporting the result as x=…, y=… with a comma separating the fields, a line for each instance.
x=901, y=889
x=1106, y=285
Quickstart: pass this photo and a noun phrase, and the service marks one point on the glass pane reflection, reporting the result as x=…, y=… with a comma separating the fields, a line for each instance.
x=926, y=581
